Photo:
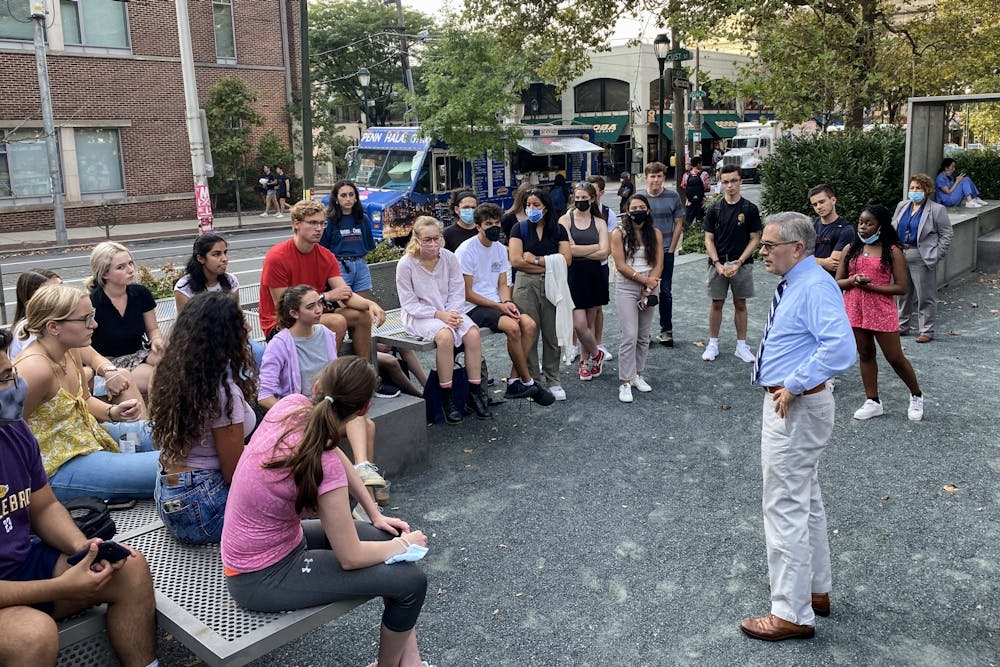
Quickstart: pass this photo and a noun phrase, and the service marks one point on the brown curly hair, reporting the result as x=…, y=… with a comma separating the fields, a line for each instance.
x=926, y=184
x=207, y=344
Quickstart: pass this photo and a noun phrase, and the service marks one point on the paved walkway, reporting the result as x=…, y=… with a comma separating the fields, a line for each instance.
x=594, y=533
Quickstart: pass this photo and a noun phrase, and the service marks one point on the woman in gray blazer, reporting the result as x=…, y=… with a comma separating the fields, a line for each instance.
x=925, y=233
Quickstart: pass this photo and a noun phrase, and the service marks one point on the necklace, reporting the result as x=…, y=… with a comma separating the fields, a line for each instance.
x=61, y=365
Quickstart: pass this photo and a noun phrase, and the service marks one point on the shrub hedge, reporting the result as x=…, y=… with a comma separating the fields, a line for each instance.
x=984, y=169
x=862, y=167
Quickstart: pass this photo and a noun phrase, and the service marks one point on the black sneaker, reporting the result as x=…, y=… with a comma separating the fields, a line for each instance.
x=544, y=397
x=666, y=338
x=518, y=389
x=386, y=390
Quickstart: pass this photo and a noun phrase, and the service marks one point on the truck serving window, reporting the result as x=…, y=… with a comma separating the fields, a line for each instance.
x=387, y=170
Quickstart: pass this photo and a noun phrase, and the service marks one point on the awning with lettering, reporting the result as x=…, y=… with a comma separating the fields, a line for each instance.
x=557, y=145
x=606, y=128
x=721, y=125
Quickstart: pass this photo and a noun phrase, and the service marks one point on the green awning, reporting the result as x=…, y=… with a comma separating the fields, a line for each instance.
x=721, y=125
x=606, y=128
x=668, y=127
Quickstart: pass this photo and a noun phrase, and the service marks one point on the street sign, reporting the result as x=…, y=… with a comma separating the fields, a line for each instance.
x=679, y=54
x=680, y=80
x=698, y=93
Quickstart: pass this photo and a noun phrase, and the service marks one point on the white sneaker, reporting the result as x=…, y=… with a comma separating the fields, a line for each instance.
x=263, y=215
x=278, y=215
x=916, y=409
x=744, y=353
x=625, y=392
x=980, y=201
x=607, y=355
x=558, y=392
x=641, y=384
x=571, y=353
x=971, y=203
x=870, y=409
x=710, y=353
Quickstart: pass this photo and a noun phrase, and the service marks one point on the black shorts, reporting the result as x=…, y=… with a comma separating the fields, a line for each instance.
x=486, y=317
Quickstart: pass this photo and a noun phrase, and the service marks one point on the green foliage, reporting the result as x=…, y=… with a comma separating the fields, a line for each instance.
x=273, y=152
x=984, y=169
x=346, y=35
x=230, y=115
x=464, y=105
x=694, y=238
x=161, y=286
x=385, y=251
x=862, y=167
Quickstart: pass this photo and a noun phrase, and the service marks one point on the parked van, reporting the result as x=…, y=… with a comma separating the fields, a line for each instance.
x=401, y=175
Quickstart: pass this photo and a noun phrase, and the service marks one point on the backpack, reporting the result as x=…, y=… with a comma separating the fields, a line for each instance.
x=694, y=188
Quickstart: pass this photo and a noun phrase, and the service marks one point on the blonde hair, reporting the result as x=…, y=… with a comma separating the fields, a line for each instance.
x=413, y=247
x=306, y=207
x=101, y=258
x=51, y=303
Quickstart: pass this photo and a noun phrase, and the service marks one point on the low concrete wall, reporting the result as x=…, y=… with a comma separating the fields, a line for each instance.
x=969, y=225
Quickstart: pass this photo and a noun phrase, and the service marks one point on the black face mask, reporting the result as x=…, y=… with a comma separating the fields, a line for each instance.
x=582, y=205
x=639, y=217
x=493, y=234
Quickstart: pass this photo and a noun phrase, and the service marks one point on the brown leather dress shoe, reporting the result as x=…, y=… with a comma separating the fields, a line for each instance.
x=924, y=338
x=821, y=604
x=773, y=628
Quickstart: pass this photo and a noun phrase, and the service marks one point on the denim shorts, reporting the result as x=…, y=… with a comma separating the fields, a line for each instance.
x=193, y=507
x=38, y=566
x=356, y=274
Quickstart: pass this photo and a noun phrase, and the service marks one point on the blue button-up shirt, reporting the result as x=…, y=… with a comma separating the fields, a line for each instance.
x=811, y=339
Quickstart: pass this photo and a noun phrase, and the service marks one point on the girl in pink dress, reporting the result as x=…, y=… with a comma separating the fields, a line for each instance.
x=871, y=273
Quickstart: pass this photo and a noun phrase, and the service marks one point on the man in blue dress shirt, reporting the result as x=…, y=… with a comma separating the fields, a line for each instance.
x=807, y=341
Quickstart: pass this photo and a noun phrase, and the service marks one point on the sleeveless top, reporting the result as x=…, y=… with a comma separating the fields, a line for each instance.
x=65, y=428
x=588, y=236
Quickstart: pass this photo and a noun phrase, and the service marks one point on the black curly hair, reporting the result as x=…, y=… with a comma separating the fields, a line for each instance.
x=887, y=236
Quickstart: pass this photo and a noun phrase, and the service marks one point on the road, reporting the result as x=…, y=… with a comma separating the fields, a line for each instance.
x=246, y=255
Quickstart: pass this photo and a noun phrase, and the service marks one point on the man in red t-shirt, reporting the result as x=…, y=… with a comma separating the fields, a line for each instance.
x=302, y=261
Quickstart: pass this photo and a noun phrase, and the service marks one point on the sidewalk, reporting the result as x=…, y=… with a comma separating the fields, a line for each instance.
x=85, y=236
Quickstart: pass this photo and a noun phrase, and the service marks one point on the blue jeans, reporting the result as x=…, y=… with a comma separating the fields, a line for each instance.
x=113, y=477
x=142, y=428
x=193, y=506
x=666, y=301
x=356, y=274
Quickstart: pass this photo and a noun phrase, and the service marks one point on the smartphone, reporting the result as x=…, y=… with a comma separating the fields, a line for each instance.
x=107, y=550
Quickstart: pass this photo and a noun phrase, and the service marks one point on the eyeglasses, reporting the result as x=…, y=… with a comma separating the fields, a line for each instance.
x=10, y=378
x=314, y=223
x=431, y=240
x=88, y=319
x=769, y=246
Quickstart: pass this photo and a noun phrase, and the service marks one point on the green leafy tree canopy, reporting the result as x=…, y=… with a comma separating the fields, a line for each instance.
x=231, y=116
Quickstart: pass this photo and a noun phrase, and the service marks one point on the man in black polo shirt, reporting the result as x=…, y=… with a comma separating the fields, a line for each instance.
x=833, y=233
x=732, y=229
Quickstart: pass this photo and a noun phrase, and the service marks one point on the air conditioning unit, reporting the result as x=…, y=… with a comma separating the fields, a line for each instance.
x=37, y=8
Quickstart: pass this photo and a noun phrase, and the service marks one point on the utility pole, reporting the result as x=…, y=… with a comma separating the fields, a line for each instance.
x=680, y=132
x=192, y=115
x=404, y=48
x=307, y=138
x=49, y=123
x=697, y=103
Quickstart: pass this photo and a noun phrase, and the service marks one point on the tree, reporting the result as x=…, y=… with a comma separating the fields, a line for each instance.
x=346, y=35
x=230, y=115
x=472, y=84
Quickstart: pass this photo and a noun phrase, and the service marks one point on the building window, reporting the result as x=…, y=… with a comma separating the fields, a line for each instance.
x=541, y=99
x=601, y=95
x=16, y=21
x=225, y=36
x=99, y=160
x=24, y=165
x=101, y=23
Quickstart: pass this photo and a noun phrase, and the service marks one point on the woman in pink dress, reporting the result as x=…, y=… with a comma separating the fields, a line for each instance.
x=873, y=271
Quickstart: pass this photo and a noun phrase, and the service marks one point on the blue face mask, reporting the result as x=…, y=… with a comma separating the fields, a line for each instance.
x=12, y=401
x=916, y=197
x=466, y=214
x=871, y=239
x=534, y=214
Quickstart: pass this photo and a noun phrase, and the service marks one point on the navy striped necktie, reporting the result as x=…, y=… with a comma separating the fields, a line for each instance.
x=779, y=290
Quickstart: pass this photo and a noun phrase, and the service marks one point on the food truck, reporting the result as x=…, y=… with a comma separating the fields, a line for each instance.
x=401, y=175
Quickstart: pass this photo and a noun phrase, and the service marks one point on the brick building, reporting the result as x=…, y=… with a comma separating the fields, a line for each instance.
x=118, y=100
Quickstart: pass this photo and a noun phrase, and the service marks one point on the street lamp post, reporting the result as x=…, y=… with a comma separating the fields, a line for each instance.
x=365, y=78
x=660, y=47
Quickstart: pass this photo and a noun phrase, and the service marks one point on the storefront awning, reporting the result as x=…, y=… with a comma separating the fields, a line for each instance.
x=557, y=145
x=721, y=125
x=606, y=128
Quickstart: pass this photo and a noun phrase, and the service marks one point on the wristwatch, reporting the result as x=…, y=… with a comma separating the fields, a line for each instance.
x=536, y=260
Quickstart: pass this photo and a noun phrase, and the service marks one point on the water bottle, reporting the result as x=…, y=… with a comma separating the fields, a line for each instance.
x=128, y=443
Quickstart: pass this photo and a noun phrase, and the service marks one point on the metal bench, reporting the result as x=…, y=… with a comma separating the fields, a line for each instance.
x=192, y=604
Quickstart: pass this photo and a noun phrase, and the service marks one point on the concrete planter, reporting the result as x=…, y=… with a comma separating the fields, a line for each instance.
x=384, y=284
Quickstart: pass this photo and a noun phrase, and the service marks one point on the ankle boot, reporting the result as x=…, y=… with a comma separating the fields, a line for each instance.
x=477, y=402
x=452, y=415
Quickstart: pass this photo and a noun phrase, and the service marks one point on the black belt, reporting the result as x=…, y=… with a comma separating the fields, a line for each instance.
x=350, y=259
x=818, y=388
x=908, y=246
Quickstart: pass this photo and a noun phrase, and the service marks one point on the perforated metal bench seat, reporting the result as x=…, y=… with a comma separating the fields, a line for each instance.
x=192, y=604
x=391, y=333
